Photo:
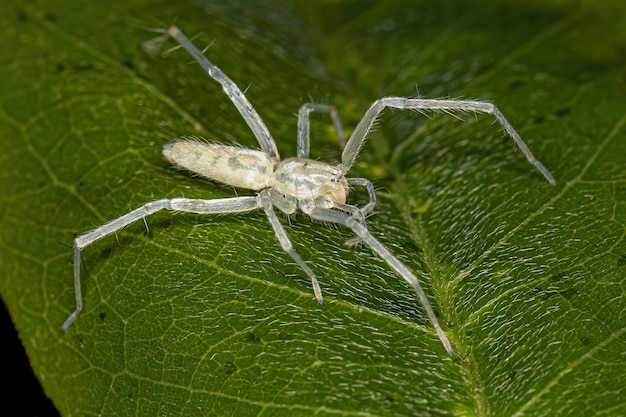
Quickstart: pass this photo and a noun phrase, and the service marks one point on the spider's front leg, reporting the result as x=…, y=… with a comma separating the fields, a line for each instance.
x=333, y=216
x=351, y=151
x=269, y=198
x=367, y=184
x=358, y=213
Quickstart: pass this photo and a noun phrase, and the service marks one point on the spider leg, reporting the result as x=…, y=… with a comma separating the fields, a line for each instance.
x=359, y=213
x=356, y=214
x=233, y=92
x=268, y=200
x=188, y=205
x=304, y=126
x=333, y=216
x=363, y=182
x=351, y=151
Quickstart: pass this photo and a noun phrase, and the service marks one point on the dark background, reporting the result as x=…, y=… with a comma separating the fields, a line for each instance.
x=22, y=392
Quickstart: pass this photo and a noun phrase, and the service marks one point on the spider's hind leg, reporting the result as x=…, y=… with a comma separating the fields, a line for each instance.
x=187, y=205
x=236, y=96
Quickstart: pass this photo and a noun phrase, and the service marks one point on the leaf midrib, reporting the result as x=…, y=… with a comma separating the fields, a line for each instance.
x=443, y=294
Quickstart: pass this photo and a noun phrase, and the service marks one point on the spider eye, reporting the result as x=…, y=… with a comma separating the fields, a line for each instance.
x=337, y=174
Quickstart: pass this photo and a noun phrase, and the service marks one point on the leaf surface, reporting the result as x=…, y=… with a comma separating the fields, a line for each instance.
x=207, y=315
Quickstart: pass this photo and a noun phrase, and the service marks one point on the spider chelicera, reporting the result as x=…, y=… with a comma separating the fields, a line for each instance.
x=318, y=189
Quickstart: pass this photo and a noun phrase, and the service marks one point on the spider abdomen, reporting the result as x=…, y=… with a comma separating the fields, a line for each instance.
x=230, y=165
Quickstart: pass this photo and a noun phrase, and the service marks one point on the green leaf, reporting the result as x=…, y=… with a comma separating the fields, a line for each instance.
x=207, y=315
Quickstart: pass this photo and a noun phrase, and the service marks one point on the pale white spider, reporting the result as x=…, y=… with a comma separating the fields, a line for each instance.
x=318, y=189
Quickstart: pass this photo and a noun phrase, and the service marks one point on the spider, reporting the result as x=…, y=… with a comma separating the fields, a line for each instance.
x=318, y=189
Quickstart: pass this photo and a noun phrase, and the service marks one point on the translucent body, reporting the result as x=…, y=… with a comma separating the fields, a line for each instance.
x=306, y=179
x=237, y=167
x=318, y=189
x=301, y=178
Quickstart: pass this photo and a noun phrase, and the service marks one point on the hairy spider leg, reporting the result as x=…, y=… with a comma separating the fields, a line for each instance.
x=268, y=200
x=367, y=184
x=334, y=216
x=351, y=151
x=304, y=126
x=304, y=143
x=252, y=118
x=187, y=205
x=359, y=213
